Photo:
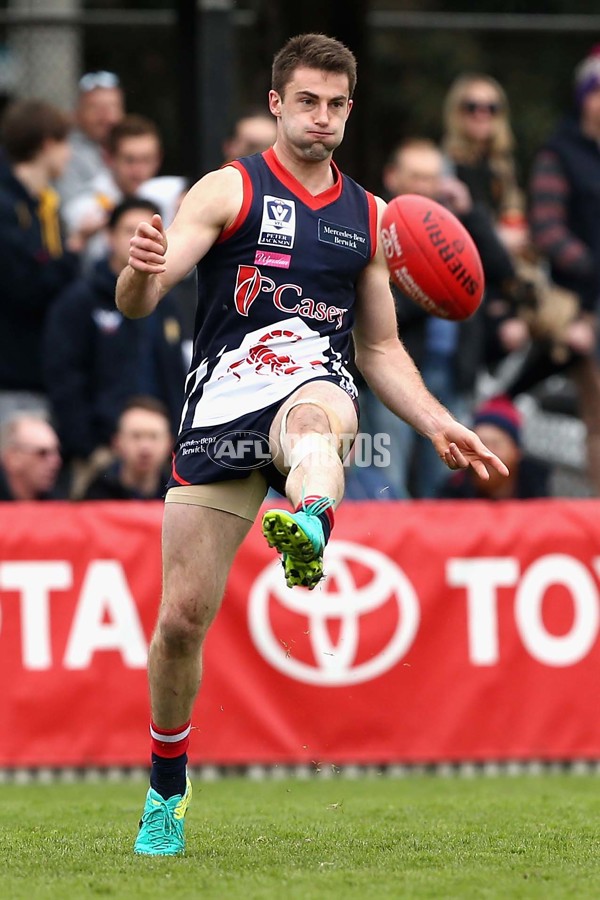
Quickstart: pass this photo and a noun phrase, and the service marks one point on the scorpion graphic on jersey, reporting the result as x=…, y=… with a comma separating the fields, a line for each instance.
x=265, y=361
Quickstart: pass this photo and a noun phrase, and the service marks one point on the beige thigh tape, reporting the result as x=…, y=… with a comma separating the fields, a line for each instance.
x=241, y=497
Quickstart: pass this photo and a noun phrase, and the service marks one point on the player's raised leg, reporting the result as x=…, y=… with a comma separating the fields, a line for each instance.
x=199, y=545
x=313, y=429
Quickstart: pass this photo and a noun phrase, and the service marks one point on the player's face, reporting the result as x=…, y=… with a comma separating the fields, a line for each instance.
x=312, y=112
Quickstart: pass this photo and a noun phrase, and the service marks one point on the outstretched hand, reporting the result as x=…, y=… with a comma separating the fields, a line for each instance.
x=148, y=247
x=459, y=447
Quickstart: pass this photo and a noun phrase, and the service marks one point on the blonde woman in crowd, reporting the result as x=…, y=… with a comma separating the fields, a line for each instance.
x=479, y=145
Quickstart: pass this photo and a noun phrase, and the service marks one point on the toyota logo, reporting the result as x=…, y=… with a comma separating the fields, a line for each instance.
x=327, y=647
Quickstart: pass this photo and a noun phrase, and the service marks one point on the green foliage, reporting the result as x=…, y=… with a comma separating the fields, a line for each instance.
x=419, y=837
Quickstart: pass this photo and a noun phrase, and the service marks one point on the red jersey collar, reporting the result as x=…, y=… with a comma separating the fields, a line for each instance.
x=292, y=184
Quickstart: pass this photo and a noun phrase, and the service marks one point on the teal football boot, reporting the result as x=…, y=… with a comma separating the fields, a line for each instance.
x=299, y=537
x=161, y=825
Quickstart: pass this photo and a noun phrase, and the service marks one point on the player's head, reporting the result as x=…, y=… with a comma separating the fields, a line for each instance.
x=415, y=166
x=312, y=51
x=143, y=440
x=476, y=118
x=313, y=80
x=134, y=152
x=100, y=105
x=30, y=454
x=34, y=131
x=121, y=226
x=253, y=132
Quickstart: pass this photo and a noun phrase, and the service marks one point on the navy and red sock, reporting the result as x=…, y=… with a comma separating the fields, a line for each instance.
x=169, y=759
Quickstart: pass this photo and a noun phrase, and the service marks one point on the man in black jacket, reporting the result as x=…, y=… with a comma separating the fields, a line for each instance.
x=565, y=226
x=95, y=359
x=34, y=263
x=142, y=448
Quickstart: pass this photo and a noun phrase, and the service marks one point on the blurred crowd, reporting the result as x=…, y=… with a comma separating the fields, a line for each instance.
x=90, y=401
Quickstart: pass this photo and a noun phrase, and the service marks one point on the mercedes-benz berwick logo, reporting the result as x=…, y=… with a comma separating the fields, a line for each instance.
x=331, y=618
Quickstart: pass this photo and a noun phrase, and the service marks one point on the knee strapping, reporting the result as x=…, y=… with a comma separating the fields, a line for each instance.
x=312, y=444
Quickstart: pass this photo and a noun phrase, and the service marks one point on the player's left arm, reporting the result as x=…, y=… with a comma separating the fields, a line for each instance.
x=392, y=375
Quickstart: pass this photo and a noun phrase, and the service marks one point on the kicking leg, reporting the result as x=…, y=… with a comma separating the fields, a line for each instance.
x=314, y=430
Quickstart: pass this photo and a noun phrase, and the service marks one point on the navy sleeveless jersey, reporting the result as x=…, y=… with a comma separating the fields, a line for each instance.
x=276, y=293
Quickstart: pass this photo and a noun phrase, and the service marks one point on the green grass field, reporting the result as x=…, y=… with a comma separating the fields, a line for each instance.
x=420, y=836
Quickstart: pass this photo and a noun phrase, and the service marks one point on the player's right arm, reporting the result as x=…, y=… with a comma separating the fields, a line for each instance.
x=159, y=259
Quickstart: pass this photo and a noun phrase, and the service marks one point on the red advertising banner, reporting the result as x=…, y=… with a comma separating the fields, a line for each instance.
x=443, y=632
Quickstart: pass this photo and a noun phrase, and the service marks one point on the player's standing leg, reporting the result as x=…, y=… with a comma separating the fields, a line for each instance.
x=199, y=545
x=313, y=428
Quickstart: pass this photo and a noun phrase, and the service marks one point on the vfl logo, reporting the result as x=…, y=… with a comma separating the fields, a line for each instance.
x=279, y=212
x=331, y=642
x=278, y=225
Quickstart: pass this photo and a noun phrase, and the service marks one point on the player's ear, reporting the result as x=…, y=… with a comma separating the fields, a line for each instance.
x=349, y=110
x=275, y=103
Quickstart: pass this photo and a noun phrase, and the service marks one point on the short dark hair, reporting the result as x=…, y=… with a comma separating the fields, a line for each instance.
x=315, y=51
x=27, y=124
x=126, y=205
x=131, y=126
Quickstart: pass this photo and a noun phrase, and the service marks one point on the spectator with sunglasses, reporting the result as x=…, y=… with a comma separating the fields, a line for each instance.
x=100, y=106
x=30, y=459
x=479, y=146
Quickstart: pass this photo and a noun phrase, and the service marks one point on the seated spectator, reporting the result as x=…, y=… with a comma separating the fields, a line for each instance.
x=96, y=359
x=499, y=424
x=100, y=105
x=35, y=264
x=133, y=159
x=253, y=132
x=142, y=447
x=30, y=460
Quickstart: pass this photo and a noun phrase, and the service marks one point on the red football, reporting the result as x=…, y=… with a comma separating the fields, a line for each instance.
x=431, y=257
